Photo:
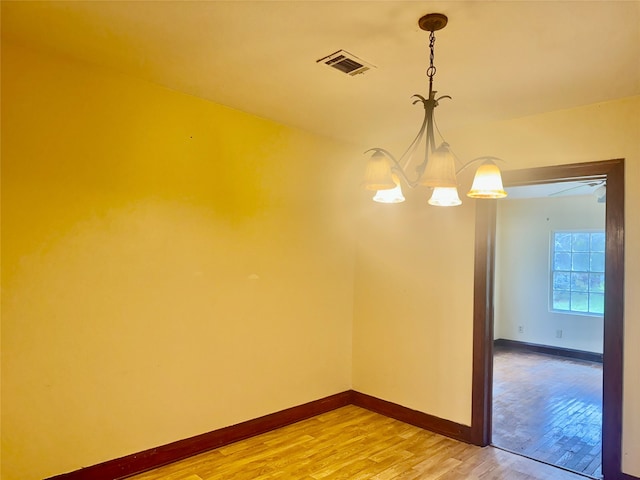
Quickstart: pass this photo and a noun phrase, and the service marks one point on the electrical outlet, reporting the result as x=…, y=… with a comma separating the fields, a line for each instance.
x=520, y=329
x=558, y=333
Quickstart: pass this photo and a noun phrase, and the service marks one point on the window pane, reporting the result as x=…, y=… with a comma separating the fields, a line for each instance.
x=579, y=282
x=578, y=272
x=597, y=262
x=562, y=242
x=580, y=262
x=561, y=280
x=596, y=303
x=561, y=301
x=596, y=282
x=579, y=302
x=580, y=242
x=562, y=261
x=597, y=242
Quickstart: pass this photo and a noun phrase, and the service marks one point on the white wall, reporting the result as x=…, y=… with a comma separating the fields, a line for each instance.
x=524, y=228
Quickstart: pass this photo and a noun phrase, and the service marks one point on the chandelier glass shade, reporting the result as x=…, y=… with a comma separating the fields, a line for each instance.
x=393, y=195
x=440, y=170
x=437, y=169
x=485, y=182
x=378, y=173
x=445, y=197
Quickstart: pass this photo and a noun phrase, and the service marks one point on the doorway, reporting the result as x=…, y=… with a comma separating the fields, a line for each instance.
x=548, y=324
x=612, y=171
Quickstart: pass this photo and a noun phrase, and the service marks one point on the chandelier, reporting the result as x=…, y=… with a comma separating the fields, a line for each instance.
x=437, y=170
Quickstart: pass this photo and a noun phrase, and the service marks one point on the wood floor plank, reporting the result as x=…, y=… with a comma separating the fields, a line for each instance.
x=548, y=408
x=352, y=443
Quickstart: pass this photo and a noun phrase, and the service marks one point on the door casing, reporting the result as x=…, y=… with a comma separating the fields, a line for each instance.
x=613, y=172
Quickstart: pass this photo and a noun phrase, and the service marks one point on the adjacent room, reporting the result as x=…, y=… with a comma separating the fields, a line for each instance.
x=550, y=269
x=189, y=258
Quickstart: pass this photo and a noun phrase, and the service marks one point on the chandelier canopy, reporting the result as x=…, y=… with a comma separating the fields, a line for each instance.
x=437, y=170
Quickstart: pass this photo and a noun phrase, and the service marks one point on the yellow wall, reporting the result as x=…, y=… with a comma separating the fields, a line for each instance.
x=170, y=266
x=136, y=220
x=413, y=306
x=421, y=357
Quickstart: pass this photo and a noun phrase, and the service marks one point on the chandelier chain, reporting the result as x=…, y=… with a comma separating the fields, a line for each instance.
x=437, y=168
x=431, y=71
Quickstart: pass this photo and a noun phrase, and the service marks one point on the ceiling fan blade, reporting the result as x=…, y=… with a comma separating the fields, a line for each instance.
x=567, y=190
x=587, y=184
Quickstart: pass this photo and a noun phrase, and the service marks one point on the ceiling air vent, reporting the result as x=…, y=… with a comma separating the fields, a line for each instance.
x=346, y=62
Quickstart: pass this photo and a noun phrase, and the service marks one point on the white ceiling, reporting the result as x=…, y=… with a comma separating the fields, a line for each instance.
x=497, y=59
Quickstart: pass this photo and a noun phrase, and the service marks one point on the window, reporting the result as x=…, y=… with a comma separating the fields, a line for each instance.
x=577, y=271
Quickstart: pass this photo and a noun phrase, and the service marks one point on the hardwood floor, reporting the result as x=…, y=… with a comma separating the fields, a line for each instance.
x=352, y=443
x=549, y=408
